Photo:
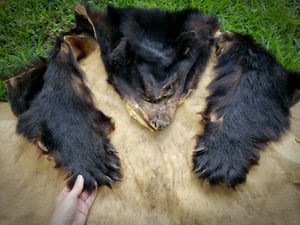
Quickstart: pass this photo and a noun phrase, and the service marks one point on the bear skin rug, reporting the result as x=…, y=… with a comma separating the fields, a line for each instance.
x=245, y=101
x=154, y=70
x=157, y=185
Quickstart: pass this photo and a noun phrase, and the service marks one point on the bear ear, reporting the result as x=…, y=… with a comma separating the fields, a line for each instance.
x=293, y=87
x=186, y=41
x=24, y=87
x=84, y=14
x=82, y=45
x=206, y=26
x=121, y=54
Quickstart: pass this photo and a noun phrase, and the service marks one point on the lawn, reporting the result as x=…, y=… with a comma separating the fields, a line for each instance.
x=29, y=27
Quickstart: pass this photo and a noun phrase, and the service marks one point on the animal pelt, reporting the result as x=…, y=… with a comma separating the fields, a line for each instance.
x=247, y=107
x=56, y=111
x=153, y=69
x=158, y=186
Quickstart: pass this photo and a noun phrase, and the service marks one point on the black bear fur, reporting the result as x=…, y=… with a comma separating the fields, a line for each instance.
x=61, y=116
x=248, y=106
x=26, y=86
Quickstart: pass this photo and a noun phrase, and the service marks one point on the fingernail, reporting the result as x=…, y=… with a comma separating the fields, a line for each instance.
x=79, y=177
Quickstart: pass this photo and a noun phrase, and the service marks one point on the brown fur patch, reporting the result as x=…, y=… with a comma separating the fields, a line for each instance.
x=82, y=45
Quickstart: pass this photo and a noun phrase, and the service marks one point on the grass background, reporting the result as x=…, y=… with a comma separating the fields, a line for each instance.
x=29, y=27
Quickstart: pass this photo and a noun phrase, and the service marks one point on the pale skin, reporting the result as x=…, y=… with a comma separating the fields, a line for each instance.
x=72, y=205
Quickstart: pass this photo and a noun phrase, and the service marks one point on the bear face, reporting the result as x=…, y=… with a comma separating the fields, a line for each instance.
x=152, y=86
x=154, y=58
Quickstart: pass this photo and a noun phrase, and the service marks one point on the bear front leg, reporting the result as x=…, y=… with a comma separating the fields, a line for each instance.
x=222, y=157
x=63, y=119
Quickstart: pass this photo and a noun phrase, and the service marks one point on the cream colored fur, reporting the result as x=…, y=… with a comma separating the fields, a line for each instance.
x=158, y=187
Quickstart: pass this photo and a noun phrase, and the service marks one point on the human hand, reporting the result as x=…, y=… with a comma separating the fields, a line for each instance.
x=72, y=206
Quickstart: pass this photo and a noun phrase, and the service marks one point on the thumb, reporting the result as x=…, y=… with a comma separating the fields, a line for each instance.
x=78, y=186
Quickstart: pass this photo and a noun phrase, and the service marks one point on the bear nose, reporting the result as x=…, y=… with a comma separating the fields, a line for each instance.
x=159, y=124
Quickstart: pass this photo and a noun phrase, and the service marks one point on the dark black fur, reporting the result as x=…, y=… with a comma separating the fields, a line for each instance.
x=26, y=86
x=249, y=103
x=147, y=52
x=63, y=118
x=139, y=25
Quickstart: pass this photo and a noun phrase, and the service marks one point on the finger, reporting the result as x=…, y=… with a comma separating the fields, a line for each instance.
x=78, y=186
x=63, y=193
x=89, y=201
x=84, y=195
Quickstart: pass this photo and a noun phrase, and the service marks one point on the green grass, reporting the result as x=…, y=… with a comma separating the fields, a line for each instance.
x=29, y=27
